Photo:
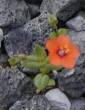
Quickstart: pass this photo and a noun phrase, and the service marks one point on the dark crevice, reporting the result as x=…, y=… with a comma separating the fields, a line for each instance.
x=35, y=2
x=3, y=51
x=63, y=24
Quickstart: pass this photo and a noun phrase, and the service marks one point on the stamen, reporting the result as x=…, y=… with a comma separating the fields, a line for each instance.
x=67, y=51
x=63, y=50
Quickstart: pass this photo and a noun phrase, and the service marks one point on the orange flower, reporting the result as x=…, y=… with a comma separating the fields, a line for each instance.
x=62, y=51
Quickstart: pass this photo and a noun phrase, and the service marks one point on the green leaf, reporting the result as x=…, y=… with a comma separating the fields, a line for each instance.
x=13, y=61
x=51, y=82
x=41, y=82
x=39, y=51
x=16, y=58
x=33, y=58
x=37, y=80
x=44, y=82
x=51, y=67
x=53, y=21
x=44, y=70
x=62, y=31
x=53, y=35
x=34, y=65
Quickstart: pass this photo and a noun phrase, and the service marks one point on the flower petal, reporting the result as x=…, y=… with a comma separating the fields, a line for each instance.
x=55, y=59
x=63, y=39
x=69, y=64
x=74, y=52
x=51, y=45
x=67, y=61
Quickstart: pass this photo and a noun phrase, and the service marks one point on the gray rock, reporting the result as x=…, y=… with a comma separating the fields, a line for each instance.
x=20, y=105
x=39, y=103
x=18, y=42
x=58, y=99
x=77, y=23
x=39, y=28
x=58, y=106
x=34, y=10
x=73, y=84
x=28, y=71
x=63, y=9
x=78, y=104
x=14, y=85
x=83, y=4
x=36, y=103
x=13, y=13
x=1, y=36
x=21, y=41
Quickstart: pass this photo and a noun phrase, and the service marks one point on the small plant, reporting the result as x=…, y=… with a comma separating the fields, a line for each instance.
x=62, y=52
x=38, y=60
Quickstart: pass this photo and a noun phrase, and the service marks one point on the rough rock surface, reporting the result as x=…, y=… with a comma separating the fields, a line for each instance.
x=1, y=36
x=23, y=39
x=13, y=86
x=77, y=23
x=63, y=9
x=73, y=82
x=58, y=99
x=20, y=105
x=39, y=28
x=28, y=71
x=18, y=42
x=78, y=104
x=36, y=103
x=83, y=4
x=13, y=13
x=39, y=103
x=17, y=91
x=34, y=10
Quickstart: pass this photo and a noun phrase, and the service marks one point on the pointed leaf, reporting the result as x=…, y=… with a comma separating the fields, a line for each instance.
x=13, y=61
x=39, y=51
x=53, y=35
x=44, y=82
x=37, y=80
x=33, y=58
x=62, y=31
x=44, y=70
x=53, y=21
x=41, y=82
x=51, y=82
x=34, y=65
x=51, y=67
